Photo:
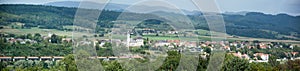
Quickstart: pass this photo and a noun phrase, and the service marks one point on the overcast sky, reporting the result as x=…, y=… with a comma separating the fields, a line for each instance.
x=265, y=6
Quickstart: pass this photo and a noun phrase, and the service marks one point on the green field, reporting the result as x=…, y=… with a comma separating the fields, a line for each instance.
x=45, y=32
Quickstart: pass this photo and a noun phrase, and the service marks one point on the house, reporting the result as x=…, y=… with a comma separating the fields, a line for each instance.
x=30, y=41
x=291, y=46
x=66, y=39
x=226, y=48
x=95, y=42
x=294, y=53
x=162, y=43
x=196, y=50
x=138, y=41
x=11, y=40
x=172, y=32
x=102, y=42
x=238, y=54
x=233, y=44
x=190, y=44
x=148, y=31
x=203, y=45
x=263, y=46
x=175, y=42
x=264, y=57
x=50, y=34
x=250, y=47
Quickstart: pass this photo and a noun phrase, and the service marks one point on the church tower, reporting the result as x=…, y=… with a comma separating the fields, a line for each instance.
x=128, y=39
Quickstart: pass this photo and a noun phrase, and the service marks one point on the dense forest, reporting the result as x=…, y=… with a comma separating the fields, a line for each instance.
x=253, y=24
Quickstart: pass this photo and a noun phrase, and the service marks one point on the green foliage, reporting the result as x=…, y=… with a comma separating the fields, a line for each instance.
x=208, y=50
x=255, y=24
x=202, y=65
x=55, y=38
x=112, y=66
x=260, y=67
x=105, y=51
x=272, y=61
x=171, y=62
x=68, y=63
x=291, y=65
x=13, y=49
x=233, y=63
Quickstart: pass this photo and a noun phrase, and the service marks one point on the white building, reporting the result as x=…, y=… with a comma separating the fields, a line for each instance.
x=134, y=42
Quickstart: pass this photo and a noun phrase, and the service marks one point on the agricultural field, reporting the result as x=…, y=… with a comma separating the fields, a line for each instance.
x=44, y=32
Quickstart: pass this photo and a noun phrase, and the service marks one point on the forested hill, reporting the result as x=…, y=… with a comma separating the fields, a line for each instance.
x=252, y=24
x=48, y=16
x=52, y=17
x=281, y=26
x=258, y=25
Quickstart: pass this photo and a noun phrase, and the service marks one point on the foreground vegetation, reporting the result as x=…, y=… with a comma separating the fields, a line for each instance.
x=231, y=63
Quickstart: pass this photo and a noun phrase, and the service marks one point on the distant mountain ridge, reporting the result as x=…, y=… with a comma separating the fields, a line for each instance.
x=118, y=7
x=236, y=13
x=110, y=6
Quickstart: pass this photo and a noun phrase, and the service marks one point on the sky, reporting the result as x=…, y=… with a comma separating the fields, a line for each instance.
x=265, y=6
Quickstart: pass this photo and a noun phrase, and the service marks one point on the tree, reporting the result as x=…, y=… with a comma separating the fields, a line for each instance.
x=260, y=67
x=97, y=47
x=68, y=63
x=55, y=39
x=171, y=62
x=95, y=35
x=29, y=36
x=37, y=37
x=272, y=61
x=112, y=66
x=107, y=45
x=3, y=65
x=202, y=65
x=233, y=63
x=101, y=35
x=208, y=50
x=291, y=65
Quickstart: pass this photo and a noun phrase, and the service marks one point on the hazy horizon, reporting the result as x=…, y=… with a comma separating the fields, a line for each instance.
x=272, y=7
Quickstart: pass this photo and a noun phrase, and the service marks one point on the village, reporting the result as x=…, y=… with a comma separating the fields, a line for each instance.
x=204, y=47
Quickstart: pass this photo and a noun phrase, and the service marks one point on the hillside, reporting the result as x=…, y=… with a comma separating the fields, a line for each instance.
x=258, y=25
x=252, y=24
x=110, y=6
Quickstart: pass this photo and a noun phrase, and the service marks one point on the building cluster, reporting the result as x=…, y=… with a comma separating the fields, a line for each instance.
x=182, y=45
x=194, y=46
x=19, y=40
x=31, y=41
x=259, y=57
